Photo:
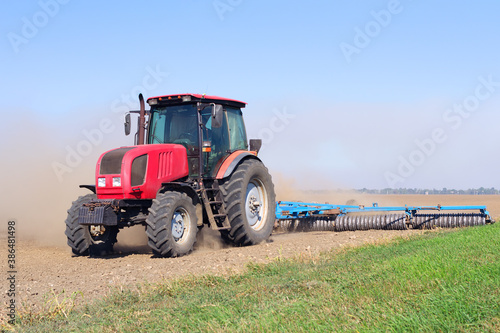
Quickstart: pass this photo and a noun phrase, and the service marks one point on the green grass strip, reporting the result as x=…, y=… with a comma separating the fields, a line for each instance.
x=437, y=282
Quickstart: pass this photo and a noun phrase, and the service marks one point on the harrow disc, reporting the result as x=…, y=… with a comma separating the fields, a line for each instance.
x=319, y=223
x=366, y=222
x=430, y=221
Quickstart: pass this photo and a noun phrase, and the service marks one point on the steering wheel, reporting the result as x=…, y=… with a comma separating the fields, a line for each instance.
x=185, y=135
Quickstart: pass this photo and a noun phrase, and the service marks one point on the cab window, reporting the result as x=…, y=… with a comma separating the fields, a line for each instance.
x=237, y=134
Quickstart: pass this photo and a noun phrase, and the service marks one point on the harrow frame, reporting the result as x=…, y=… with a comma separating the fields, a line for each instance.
x=304, y=216
x=294, y=210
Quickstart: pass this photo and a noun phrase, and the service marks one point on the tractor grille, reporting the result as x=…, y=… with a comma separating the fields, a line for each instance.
x=164, y=164
x=111, y=163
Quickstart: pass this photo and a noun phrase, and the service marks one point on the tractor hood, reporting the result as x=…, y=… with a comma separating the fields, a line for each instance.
x=137, y=172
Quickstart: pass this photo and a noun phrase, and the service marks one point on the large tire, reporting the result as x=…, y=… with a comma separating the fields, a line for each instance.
x=80, y=238
x=171, y=225
x=248, y=185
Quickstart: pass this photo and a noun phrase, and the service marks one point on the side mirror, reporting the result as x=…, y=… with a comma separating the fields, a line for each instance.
x=217, y=112
x=127, y=124
x=255, y=145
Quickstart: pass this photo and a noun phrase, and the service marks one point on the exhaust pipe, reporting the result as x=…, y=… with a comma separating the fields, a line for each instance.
x=142, y=121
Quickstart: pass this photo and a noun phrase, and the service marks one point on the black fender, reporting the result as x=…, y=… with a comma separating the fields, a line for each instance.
x=89, y=187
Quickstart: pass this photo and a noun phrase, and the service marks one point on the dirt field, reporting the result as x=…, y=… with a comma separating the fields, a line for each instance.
x=45, y=271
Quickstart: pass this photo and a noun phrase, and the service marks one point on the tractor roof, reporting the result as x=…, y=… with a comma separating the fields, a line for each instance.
x=190, y=98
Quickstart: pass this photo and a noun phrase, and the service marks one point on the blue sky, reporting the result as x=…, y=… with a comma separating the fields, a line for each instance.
x=380, y=116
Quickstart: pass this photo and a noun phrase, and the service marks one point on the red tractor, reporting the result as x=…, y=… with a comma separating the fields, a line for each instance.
x=191, y=166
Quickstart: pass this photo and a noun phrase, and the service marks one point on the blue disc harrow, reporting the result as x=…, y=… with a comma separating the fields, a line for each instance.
x=301, y=216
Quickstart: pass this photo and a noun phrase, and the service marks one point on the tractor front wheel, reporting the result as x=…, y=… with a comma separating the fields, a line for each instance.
x=84, y=239
x=171, y=225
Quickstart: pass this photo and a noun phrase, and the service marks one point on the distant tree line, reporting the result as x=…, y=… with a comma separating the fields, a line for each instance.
x=473, y=191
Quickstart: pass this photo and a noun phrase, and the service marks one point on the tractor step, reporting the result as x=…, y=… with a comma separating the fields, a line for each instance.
x=214, y=205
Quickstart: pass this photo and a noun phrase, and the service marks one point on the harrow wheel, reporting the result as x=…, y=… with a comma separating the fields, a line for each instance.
x=315, y=223
x=171, y=225
x=430, y=221
x=249, y=199
x=85, y=239
x=366, y=222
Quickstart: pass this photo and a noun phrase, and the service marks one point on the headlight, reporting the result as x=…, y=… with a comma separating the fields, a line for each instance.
x=101, y=182
x=117, y=181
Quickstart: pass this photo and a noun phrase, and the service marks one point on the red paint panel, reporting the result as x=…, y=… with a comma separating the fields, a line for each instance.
x=166, y=163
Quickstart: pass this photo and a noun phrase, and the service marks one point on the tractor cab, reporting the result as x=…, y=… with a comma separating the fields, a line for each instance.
x=209, y=127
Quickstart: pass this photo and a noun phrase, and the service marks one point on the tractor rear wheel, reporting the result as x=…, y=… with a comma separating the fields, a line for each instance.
x=250, y=204
x=171, y=225
x=84, y=239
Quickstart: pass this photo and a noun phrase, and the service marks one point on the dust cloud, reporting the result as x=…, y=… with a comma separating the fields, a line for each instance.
x=209, y=239
x=289, y=189
x=135, y=240
x=33, y=195
x=132, y=240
